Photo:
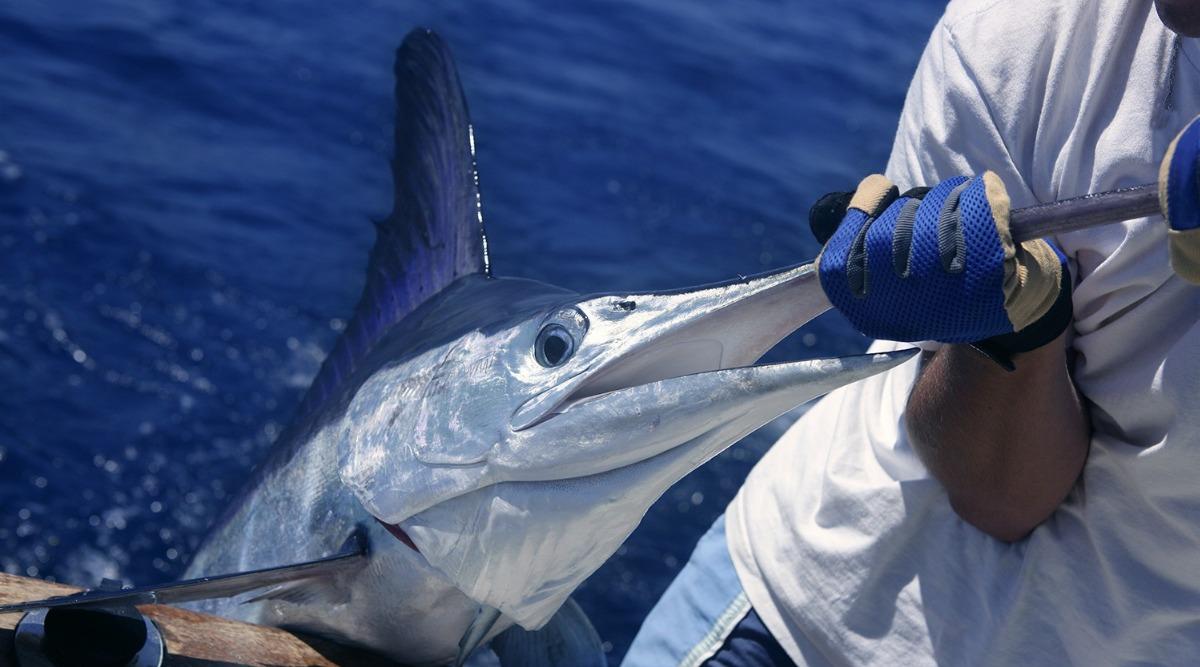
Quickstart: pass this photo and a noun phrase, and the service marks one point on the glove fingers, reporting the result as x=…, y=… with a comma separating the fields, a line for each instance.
x=874, y=197
x=886, y=240
x=902, y=237
x=874, y=194
x=899, y=225
x=952, y=245
x=846, y=253
x=857, y=273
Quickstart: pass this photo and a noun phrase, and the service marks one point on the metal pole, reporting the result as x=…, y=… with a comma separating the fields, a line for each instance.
x=1068, y=215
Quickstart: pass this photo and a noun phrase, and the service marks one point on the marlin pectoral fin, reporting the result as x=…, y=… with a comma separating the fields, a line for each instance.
x=476, y=631
x=568, y=639
x=353, y=554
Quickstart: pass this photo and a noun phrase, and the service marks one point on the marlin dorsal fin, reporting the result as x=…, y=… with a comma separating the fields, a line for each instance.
x=434, y=233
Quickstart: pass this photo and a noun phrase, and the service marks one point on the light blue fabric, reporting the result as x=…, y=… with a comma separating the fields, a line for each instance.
x=697, y=612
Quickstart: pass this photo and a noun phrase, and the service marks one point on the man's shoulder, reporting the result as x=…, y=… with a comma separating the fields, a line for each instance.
x=1019, y=47
x=1018, y=19
x=1002, y=27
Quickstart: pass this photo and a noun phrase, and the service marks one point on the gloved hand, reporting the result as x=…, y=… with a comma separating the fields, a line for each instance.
x=939, y=264
x=1179, y=198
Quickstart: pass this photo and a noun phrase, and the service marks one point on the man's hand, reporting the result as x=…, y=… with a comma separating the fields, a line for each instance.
x=939, y=264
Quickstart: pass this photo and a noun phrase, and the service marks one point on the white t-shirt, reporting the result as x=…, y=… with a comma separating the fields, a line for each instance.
x=848, y=549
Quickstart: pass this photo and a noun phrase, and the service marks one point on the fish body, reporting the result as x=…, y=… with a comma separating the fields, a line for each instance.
x=496, y=438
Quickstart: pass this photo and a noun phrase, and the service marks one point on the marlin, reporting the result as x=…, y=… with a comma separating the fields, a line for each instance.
x=494, y=440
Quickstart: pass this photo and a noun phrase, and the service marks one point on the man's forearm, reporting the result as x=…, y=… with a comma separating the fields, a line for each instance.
x=1008, y=446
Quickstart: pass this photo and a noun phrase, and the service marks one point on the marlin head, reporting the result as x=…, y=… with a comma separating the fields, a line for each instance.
x=574, y=387
x=515, y=433
x=520, y=450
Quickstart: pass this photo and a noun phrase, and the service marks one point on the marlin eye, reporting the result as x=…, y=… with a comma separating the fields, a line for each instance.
x=554, y=345
x=561, y=333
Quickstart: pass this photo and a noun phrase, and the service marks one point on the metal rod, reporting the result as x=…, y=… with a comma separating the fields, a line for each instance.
x=1068, y=215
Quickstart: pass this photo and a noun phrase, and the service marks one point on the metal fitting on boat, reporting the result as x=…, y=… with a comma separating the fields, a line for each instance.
x=100, y=637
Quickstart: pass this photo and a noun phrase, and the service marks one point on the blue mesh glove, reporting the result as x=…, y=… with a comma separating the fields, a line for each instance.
x=939, y=264
x=1179, y=197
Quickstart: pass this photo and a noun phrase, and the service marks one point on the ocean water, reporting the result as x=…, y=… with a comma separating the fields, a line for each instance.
x=186, y=191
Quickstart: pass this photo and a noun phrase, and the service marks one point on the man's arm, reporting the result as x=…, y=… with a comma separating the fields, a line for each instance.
x=1007, y=446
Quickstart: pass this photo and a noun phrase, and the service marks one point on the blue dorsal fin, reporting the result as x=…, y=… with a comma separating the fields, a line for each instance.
x=434, y=233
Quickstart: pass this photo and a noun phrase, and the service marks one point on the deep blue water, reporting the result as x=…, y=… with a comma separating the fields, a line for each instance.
x=185, y=196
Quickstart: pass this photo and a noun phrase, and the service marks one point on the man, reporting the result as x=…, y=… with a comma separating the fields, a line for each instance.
x=952, y=511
